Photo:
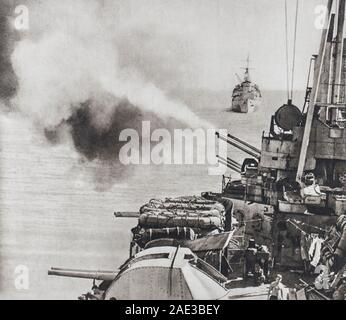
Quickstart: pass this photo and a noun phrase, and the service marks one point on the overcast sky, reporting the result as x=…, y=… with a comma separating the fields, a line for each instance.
x=217, y=35
x=193, y=44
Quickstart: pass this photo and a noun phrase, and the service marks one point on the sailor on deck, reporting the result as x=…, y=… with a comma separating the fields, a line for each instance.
x=276, y=289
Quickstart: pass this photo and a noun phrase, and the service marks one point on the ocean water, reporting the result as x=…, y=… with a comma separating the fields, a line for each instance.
x=53, y=214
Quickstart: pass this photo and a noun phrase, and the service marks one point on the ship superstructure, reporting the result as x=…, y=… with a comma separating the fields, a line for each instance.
x=246, y=95
x=296, y=184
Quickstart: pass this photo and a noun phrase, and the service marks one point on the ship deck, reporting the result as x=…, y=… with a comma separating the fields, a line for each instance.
x=240, y=289
x=246, y=290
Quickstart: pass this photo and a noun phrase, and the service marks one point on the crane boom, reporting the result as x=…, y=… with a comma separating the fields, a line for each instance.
x=238, y=77
x=312, y=103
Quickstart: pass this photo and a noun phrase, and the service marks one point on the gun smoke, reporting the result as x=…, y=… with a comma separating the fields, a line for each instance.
x=8, y=80
x=71, y=80
x=96, y=123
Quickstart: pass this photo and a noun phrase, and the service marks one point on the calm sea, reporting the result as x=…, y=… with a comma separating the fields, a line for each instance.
x=53, y=214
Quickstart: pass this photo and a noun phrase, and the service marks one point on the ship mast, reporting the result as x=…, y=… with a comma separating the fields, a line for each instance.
x=331, y=49
x=338, y=48
x=247, y=68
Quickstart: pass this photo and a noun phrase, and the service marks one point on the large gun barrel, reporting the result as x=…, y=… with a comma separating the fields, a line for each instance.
x=241, y=145
x=244, y=143
x=80, y=270
x=230, y=161
x=83, y=274
x=230, y=166
x=123, y=214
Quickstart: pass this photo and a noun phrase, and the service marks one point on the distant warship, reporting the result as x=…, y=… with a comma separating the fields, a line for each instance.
x=286, y=213
x=246, y=95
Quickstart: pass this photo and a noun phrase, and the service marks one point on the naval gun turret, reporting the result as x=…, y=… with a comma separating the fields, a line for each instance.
x=156, y=273
x=301, y=165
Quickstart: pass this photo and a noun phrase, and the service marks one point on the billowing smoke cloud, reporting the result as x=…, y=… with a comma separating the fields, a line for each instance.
x=71, y=82
x=98, y=142
x=93, y=128
x=72, y=54
x=96, y=122
x=8, y=80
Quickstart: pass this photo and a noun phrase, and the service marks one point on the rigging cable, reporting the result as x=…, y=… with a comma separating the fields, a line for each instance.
x=287, y=62
x=294, y=46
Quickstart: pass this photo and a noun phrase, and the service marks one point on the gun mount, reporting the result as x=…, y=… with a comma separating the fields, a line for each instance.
x=301, y=166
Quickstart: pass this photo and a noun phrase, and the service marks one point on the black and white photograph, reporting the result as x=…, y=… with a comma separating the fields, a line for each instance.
x=173, y=150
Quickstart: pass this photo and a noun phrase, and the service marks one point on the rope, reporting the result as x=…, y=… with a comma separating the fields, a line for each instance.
x=294, y=46
x=229, y=266
x=294, y=221
x=290, y=90
x=287, y=62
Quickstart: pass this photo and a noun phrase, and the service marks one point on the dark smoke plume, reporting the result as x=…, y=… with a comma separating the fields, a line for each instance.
x=97, y=138
x=8, y=79
x=102, y=143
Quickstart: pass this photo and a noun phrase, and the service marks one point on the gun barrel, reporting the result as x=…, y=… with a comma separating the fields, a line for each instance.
x=124, y=214
x=81, y=270
x=83, y=274
x=229, y=166
x=240, y=147
x=244, y=143
x=230, y=161
x=235, y=163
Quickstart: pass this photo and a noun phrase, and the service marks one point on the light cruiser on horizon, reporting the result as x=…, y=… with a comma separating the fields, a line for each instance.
x=246, y=95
